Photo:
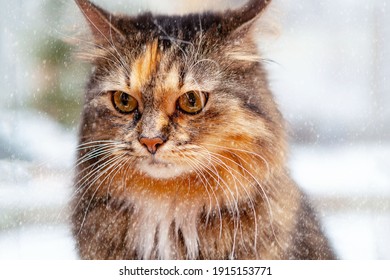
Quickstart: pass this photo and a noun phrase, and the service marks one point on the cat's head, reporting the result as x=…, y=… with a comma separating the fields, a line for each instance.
x=177, y=95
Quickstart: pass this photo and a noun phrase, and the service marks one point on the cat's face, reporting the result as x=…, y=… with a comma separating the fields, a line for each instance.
x=173, y=96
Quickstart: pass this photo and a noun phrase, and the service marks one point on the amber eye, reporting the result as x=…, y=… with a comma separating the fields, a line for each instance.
x=123, y=102
x=192, y=102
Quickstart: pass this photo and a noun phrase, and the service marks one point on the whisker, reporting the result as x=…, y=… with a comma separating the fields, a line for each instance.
x=219, y=180
x=82, y=183
x=263, y=192
x=232, y=200
x=100, y=150
x=243, y=186
x=202, y=177
x=106, y=154
x=243, y=151
x=237, y=214
x=111, y=166
x=216, y=178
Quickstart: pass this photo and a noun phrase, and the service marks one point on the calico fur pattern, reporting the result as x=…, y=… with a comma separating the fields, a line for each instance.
x=217, y=188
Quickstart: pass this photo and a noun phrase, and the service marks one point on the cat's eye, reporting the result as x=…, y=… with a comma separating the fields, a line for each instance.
x=123, y=102
x=192, y=102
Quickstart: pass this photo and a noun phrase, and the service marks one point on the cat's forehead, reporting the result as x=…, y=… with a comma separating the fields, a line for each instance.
x=150, y=74
x=171, y=47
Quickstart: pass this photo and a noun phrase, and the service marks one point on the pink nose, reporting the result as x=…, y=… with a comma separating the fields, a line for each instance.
x=151, y=144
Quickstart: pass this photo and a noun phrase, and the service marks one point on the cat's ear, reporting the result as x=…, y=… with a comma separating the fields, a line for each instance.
x=244, y=17
x=100, y=21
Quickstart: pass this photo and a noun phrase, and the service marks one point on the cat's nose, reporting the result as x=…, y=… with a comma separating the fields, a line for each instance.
x=152, y=144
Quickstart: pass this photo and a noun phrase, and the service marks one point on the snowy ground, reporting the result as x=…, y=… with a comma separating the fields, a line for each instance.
x=349, y=184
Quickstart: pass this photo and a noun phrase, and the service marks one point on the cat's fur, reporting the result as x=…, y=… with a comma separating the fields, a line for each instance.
x=216, y=185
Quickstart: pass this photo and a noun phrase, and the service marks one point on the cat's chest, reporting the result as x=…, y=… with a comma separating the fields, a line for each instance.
x=162, y=228
x=171, y=220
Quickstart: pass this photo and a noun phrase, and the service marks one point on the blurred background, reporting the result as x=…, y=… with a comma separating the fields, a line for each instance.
x=329, y=68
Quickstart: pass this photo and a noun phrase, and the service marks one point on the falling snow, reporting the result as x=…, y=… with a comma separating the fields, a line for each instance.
x=329, y=70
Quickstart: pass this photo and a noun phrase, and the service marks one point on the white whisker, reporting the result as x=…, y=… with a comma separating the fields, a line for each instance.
x=112, y=164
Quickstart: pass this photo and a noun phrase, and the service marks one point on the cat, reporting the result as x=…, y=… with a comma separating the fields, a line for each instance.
x=182, y=149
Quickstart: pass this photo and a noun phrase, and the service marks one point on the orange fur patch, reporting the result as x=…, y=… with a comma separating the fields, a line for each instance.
x=145, y=66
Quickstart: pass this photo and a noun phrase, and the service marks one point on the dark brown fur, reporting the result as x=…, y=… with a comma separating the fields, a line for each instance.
x=229, y=195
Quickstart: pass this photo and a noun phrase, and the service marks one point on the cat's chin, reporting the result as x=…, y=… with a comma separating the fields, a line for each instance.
x=160, y=170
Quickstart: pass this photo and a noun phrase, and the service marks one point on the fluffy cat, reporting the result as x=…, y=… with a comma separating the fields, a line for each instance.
x=182, y=147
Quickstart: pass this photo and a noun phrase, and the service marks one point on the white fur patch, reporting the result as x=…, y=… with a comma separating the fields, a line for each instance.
x=161, y=170
x=152, y=233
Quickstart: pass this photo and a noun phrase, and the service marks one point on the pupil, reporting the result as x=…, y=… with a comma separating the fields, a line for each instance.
x=125, y=99
x=192, y=99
